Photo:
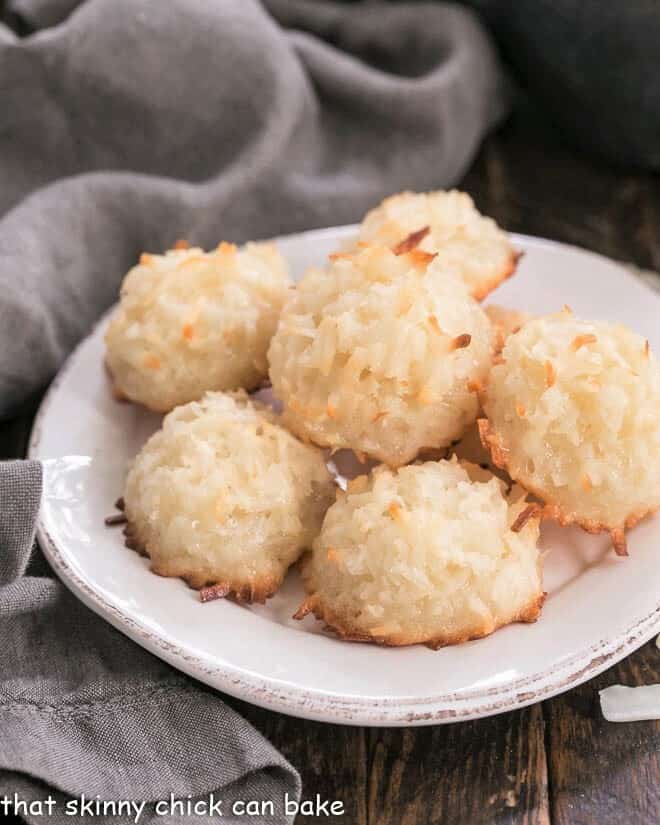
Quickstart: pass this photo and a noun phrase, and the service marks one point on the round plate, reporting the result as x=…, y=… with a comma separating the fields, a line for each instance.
x=599, y=607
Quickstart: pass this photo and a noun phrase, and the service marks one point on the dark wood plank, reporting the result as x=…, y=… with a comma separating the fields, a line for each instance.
x=647, y=233
x=529, y=181
x=332, y=760
x=604, y=773
x=484, y=771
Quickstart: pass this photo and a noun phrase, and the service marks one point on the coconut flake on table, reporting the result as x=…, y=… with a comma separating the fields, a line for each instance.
x=630, y=704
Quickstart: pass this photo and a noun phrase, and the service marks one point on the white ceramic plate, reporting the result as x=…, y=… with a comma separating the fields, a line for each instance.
x=600, y=607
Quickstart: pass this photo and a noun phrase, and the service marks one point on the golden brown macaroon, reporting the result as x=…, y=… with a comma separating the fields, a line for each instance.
x=224, y=497
x=382, y=354
x=434, y=553
x=574, y=416
x=190, y=321
x=449, y=225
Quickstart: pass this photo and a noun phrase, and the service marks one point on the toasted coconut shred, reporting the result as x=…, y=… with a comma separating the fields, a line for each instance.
x=588, y=444
x=412, y=241
x=426, y=554
x=225, y=498
x=630, y=704
x=448, y=225
x=190, y=321
x=374, y=355
x=505, y=322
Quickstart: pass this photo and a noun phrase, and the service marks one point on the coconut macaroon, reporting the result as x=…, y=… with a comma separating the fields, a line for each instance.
x=433, y=553
x=190, y=321
x=446, y=223
x=574, y=416
x=225, y=498
x=380, y=353
x=505, y=322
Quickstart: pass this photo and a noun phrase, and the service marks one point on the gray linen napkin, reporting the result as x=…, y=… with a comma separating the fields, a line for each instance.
x=83, y=710
x=139, y=122
x=126, y=125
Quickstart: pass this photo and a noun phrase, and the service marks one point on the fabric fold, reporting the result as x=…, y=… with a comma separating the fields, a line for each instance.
x=150, y=121
x=20, y=496
x=85, y=711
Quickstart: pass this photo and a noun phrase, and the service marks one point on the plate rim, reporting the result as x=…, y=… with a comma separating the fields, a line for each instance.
x=284, y=697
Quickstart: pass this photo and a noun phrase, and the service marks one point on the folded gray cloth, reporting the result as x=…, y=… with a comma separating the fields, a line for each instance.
x=154, y=121
x=83, y=710
x=129, y=124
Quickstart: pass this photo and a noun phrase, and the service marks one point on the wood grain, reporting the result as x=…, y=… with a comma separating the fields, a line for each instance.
x=603, y=773
x=333, y=760
x=529, y=181
x=489, y=770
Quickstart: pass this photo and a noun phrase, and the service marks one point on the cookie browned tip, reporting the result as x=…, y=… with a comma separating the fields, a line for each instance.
x=346, y=631
x=412, y=241
x=508, y=270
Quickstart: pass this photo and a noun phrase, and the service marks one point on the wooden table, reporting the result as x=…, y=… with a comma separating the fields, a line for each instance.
x=554, y=762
